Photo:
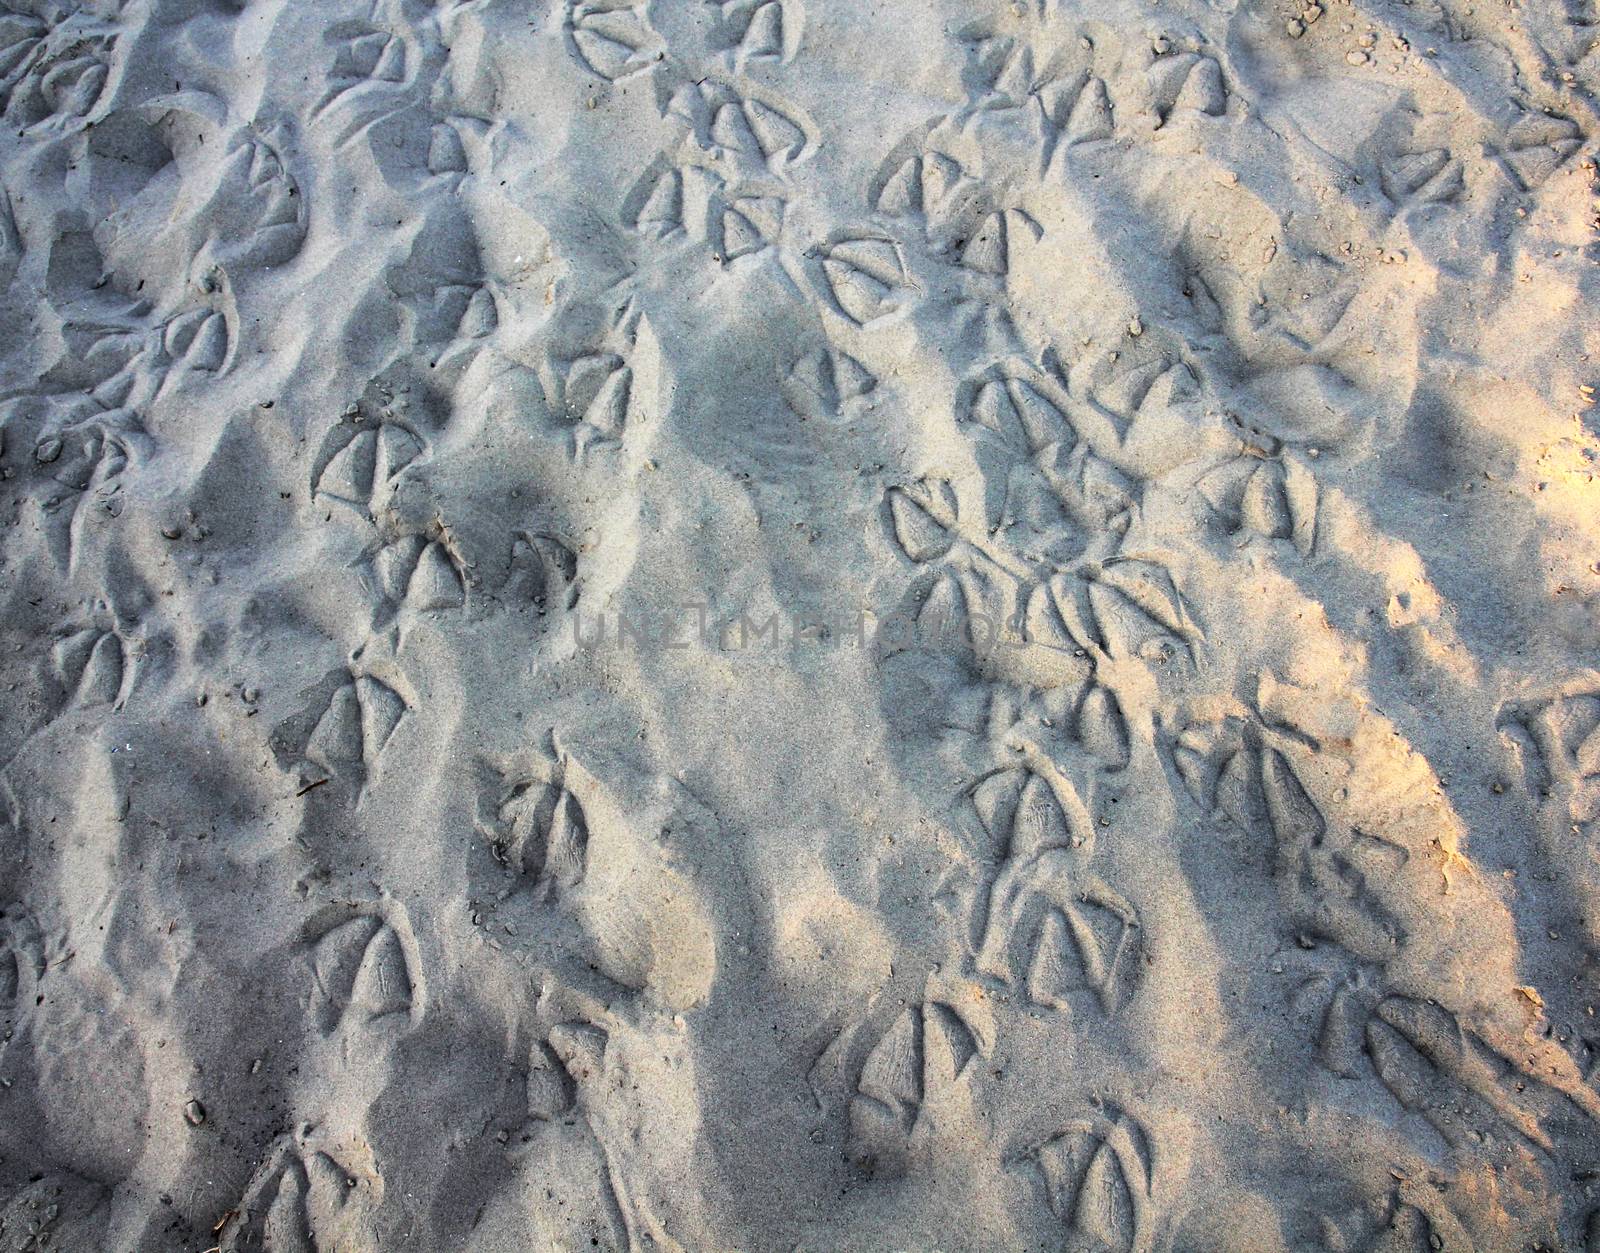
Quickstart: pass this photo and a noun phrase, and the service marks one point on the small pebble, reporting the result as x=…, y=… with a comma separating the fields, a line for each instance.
x=1295, y=27
x=1353, y=57
x=194, y=1113
x=48, y=450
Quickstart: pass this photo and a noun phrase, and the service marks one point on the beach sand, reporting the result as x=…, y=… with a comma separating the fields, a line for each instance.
x=799, y=624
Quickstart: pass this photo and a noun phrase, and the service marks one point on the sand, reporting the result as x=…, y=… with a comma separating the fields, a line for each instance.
x=780, y=624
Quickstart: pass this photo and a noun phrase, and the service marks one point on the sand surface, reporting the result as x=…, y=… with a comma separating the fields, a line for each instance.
x=799, y=624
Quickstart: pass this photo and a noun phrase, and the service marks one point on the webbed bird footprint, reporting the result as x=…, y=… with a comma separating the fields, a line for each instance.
x=539, y=829
x=94, y=667
x=174, y=210
x=360, y=464
x=344, y=728
x=892, y=1072
x=364, y=972
x=612, y=38
x=1096, y=1176
x=417, y=575
x=304, y=1197
x=866, y=279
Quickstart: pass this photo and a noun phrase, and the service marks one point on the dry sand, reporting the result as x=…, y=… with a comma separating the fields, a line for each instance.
x=412, y=836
